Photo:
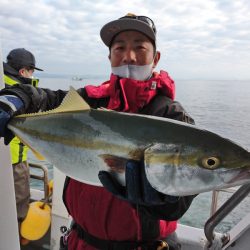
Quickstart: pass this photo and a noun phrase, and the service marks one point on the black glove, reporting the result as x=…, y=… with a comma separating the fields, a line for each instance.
x=9, y=106
x=137, y=190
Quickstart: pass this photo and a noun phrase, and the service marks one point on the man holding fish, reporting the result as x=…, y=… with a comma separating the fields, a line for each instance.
x=113, y=216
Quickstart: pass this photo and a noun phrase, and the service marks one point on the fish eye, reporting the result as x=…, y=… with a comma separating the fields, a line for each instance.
x=210, y=162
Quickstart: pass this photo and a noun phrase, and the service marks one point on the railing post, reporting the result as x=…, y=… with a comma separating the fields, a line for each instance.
x=214, y=202
x=223, y=211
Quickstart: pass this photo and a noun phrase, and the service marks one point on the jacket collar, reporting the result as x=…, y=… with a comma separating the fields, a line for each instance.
x=130, y=95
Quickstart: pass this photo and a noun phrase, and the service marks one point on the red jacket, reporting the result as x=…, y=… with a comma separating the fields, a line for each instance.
x=96, y=210
x=104, y=216
x=135, y=94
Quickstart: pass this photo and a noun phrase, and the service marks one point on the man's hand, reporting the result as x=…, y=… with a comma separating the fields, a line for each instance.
x=137, y=190
x=9, y=106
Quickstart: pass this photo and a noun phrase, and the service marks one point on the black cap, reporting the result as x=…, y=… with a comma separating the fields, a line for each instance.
x=19, y=58
x=142, y=24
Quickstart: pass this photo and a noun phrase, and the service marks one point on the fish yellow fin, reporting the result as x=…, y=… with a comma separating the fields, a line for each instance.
x=39, y=156
x=34, y=151
x=71, y=102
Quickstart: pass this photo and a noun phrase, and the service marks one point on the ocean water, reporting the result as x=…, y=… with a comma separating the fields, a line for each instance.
x=219, y=106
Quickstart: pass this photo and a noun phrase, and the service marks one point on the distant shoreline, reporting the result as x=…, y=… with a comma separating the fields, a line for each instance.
x=105, y=77
x=69, y=76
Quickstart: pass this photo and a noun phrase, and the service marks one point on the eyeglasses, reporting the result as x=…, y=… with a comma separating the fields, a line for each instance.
x=144, y=19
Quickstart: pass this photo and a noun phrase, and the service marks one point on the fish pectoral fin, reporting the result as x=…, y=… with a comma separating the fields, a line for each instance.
x=38, y=155
x=71, y=102
x=114, y=163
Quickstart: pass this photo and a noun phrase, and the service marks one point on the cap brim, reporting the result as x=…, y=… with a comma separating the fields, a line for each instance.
x=13, y=71
x=38, y=69
x=111, y=29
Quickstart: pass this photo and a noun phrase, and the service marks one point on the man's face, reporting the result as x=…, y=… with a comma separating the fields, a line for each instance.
x=26, y=72
x=132, y=47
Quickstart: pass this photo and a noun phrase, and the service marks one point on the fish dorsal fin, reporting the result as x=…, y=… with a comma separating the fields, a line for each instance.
x=71, y=102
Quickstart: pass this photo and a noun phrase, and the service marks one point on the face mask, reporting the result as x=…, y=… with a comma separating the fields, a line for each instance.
x=136, y=72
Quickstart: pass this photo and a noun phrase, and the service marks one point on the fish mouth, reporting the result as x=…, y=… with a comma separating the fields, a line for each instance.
x=242, y=176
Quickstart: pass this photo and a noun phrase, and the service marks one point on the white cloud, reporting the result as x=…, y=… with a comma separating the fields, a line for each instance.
x=197, y=39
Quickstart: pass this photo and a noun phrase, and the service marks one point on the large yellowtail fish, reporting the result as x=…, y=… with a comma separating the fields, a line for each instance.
x=180, y=159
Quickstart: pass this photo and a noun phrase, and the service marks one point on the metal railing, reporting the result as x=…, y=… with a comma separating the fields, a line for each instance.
x=215, y=197
x=223, y=211
x=43, y=178
x=216, y=216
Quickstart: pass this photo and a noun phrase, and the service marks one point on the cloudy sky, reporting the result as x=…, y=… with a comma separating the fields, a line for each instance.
x=207, y=39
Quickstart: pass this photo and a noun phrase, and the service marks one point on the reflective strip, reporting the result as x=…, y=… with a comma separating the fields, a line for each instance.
x=4, y=99
x=9, y=81
x=18, y=151
x=21, y=146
